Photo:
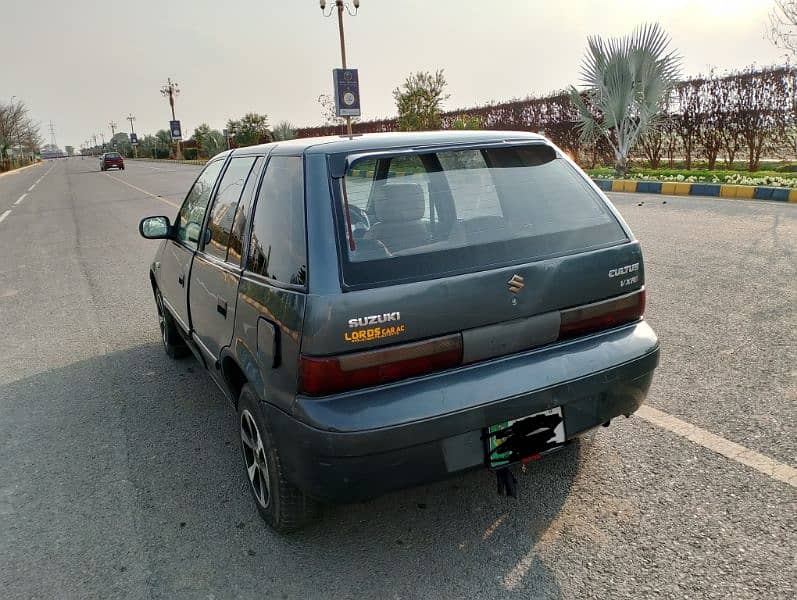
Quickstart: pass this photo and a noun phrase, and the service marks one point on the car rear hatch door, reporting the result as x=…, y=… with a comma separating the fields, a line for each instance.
x=498, y=245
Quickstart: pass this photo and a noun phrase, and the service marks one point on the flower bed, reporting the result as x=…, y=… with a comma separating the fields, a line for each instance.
x=758, y=178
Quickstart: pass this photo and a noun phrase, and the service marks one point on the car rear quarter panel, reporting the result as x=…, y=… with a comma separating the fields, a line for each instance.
x=266, y=339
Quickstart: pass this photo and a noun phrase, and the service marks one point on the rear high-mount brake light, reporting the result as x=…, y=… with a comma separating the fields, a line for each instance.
x=320, y=375
x=602, y=315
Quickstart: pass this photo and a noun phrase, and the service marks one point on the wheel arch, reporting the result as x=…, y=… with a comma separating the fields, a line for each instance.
x=234, y=377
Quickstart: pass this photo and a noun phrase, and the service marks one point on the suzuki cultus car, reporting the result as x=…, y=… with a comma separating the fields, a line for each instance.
x=390, y=309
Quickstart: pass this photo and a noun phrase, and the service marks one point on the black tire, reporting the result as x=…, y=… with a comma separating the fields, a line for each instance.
x=282, y=505
x=173, y=342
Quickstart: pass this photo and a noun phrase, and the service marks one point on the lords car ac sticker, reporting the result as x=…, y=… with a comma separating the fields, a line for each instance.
x=374, y=327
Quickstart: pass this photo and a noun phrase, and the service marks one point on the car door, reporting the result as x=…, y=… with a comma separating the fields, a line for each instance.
x=217, y=266
x=272, y=291
x=175, y=261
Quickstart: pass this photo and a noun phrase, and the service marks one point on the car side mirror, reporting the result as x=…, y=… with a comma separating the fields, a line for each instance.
x=192, y=232
x=155, y=228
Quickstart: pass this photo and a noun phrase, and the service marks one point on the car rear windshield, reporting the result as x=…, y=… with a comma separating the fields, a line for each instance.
x=113, y=155
x=419, y=216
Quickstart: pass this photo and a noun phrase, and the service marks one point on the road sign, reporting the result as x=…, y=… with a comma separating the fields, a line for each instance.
x=174, y=127
x=347, y=92
x=133, y=139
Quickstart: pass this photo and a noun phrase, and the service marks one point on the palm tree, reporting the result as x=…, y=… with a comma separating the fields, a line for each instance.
x=284, y=130
x=627, y=82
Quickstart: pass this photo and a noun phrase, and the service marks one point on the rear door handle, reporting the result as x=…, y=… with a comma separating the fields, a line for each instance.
x=181, y=279
x=221, y=306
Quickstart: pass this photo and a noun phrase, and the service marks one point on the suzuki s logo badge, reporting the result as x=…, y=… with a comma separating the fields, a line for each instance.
x=515, y=284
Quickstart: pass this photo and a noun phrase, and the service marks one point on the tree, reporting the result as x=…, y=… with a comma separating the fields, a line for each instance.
x=284, y=130
x=782, y=28
x=215, y=142
x=466, y=121
x=163, y=145
x=201, y=134
x=120, y=142
x=419, y=101
x=687, y=121
x=251, y=129
x=626, y=80
x=70, y=150
x=763, y=107
x=19, y=135
x=654, y=141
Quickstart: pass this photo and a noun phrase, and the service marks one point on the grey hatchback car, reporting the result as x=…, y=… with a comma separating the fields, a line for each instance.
x=390, y=309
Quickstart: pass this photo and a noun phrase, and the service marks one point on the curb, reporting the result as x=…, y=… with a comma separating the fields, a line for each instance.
x=13, y=171
x=169, y=160
x=719, y=190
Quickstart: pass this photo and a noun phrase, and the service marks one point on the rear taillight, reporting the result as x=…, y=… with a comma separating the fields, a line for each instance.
x=602, y=315
x=319, y=375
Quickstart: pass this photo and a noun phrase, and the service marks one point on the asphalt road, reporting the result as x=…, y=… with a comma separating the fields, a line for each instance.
x=119, y=468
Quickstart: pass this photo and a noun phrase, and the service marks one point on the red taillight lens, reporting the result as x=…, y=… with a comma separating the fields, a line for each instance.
x=320, y=375
x=602, y=315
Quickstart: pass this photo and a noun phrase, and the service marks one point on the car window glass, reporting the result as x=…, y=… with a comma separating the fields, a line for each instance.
x=223, y=211
x=491, y=206
x=469, y=177
x=242, y=214
x=365, y=184
x=278, y=248
x=192, y=212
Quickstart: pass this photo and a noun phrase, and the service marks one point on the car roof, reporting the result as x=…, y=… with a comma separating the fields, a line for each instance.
x=334, y=144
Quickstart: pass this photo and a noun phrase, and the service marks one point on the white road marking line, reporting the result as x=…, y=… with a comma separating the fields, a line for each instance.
x=4, y=215
x=30, y=189
x=143, y=191
x=751, y=458
x=20, y=199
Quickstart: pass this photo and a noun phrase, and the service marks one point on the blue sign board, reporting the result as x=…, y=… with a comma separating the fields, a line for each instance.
x=347, y=92
x=133, y=139
x=174, y=127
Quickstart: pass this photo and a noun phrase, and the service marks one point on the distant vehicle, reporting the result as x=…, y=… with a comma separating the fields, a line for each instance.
x=386, y=310
x=112, y=159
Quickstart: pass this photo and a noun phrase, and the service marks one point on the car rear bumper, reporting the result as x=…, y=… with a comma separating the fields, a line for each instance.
x=359, y=445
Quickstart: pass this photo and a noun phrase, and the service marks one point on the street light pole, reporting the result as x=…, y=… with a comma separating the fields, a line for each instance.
x=170, y=90
x=340, y=5
x=131, y=118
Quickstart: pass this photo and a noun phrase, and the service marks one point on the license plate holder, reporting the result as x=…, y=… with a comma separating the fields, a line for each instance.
x=524, y=439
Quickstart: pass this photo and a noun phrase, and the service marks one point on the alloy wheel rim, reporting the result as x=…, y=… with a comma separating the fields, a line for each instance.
x=254, y=454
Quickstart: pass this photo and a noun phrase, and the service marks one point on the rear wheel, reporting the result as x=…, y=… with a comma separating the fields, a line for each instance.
x=281, y=504
x=173, y=342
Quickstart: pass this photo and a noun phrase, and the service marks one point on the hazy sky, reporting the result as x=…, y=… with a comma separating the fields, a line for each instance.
x=83, y=63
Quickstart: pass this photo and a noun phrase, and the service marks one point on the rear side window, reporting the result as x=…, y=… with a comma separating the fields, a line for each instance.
x=426, y=215
x=242, y=215
x=192, y=212
x=278, y=247
x=222, y=214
